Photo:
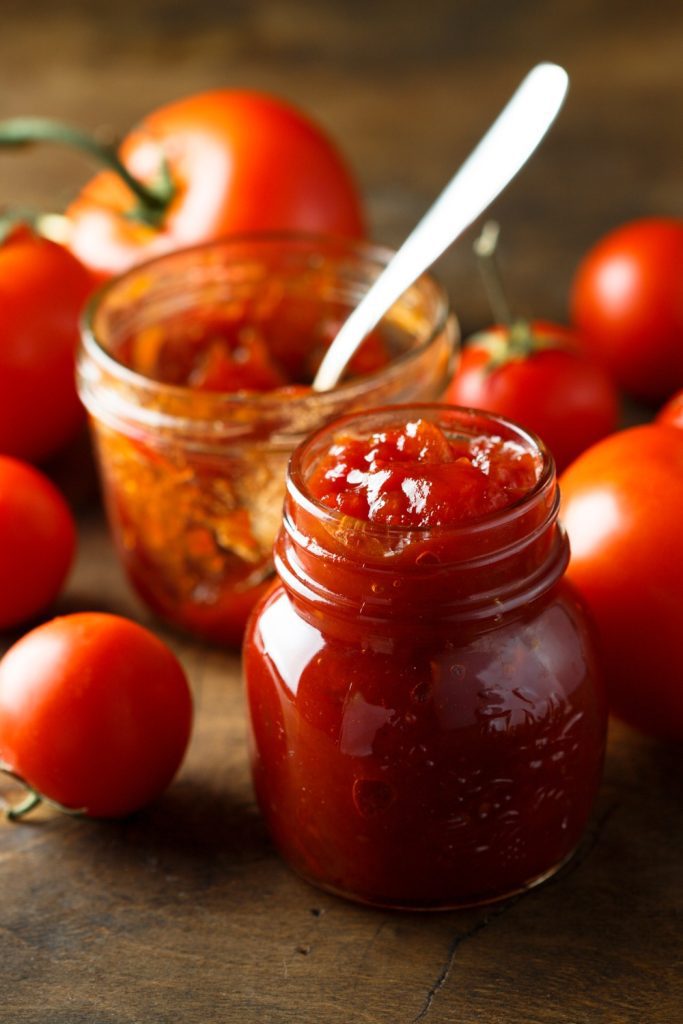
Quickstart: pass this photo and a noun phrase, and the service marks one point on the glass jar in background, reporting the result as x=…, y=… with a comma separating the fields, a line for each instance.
x=427, y=718
x=193, y=479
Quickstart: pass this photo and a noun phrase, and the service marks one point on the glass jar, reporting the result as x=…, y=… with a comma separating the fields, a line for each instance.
x=427, y=718
x=193, y=480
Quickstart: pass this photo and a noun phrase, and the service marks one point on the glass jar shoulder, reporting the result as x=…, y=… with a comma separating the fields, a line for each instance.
x=535, y=668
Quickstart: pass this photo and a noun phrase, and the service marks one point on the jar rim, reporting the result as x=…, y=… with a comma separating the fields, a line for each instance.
x=298, y=490
x=350, y=390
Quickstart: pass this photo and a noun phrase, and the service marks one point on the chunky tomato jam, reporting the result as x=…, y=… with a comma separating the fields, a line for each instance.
x=235, y=355
x=426, y=715
x=414, y=475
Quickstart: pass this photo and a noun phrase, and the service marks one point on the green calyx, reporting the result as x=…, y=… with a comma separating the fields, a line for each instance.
x=517, y=342
x=152, y=200
x=514, y=343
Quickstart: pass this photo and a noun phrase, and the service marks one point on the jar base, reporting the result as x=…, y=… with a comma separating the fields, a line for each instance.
x=451, y=905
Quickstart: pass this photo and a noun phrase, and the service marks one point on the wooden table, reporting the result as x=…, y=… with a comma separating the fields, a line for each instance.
x=185, y=913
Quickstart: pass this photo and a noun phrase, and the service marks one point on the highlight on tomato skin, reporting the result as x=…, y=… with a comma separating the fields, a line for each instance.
x=37, y=542
x=625, y=301
x=95, y=714
x=621, y=506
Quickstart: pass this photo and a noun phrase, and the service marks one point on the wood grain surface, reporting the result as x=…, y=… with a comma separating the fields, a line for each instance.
x=184, y=913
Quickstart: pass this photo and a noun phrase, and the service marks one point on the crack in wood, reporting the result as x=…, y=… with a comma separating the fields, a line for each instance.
x=458, y=941
x=583, y=852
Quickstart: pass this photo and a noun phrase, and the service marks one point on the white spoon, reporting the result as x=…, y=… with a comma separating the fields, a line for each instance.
x=505, y=148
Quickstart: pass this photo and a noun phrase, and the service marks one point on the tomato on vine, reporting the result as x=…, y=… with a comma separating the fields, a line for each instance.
x=95, y=715
x=533, y=372
x=218, y=163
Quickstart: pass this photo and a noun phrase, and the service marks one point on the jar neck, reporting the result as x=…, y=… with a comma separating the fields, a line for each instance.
x=476, y=572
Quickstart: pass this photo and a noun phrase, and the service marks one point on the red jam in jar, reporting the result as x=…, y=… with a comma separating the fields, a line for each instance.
x=209, y=351
x=427, y=719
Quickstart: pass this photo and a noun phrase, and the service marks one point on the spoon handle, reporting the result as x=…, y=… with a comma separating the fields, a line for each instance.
x=500, y=154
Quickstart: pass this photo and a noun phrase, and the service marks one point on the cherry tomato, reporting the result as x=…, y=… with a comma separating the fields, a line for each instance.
x=672, y=412
x=42, y=291
x=627, y=300
x=621, y=505
x=95, y=713
x=533, y=373
x=37, y=541
x=237, y=161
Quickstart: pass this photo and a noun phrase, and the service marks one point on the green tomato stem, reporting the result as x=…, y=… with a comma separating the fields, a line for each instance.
x=153, y=200
x=31, y=800
x=485, y=248
x=518, y=342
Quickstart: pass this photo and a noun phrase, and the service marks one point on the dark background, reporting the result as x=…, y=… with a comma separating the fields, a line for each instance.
x=405, y=88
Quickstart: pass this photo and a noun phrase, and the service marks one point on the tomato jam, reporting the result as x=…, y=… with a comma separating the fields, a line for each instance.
x=409, y=476
x=196, y=368
x=427, y=719
x=244, y=350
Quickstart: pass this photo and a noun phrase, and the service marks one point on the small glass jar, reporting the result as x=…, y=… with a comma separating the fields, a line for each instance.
x=193, y=480
x=427, y=718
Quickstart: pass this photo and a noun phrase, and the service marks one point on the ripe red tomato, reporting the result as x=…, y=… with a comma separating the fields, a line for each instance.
x=627, y=301
x=42, y=291
x=672, y=412
x=237, y=161
x=621, y=504
x=37, y=542
x=534, y=374
x=95, y=713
